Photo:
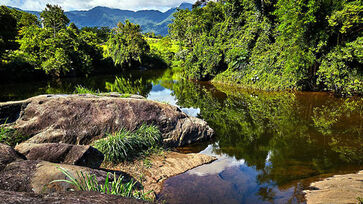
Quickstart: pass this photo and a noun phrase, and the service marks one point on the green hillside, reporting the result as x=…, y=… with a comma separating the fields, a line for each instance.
x=149, y=20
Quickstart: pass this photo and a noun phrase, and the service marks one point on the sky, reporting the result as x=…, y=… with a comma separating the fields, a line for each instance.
x=69, y=5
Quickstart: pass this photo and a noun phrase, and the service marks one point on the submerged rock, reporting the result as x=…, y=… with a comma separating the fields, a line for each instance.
x=337, y=189
x=85, y=197
x=81, y=155
x=35, y=176
x=81, y=119
x=8, y=155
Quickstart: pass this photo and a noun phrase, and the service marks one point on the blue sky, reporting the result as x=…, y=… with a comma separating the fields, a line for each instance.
x=38, y=5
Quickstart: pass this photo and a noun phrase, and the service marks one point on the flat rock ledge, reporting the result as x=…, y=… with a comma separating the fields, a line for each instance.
x=157, y=168
x=336, y=190
x=12, y=197
x=80, y=155
x=81, y=119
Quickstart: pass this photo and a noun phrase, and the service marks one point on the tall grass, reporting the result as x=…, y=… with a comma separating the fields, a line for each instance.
x=126, y=145
x=87, y=182
x=83, y=90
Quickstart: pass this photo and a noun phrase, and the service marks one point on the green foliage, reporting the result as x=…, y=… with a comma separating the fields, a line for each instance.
x=12, y=21
x=66, y=51
x=83, y=90
x=102, y=32
x=341, y=69
x=274, y=45
x=10, y=136
x=164, y=48
x=6, y=134
x=126, y=145
x=53, y=17
x=88, y=182
x=126, y=45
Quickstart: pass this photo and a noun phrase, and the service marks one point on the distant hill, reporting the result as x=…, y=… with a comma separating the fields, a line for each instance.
x=150, y=20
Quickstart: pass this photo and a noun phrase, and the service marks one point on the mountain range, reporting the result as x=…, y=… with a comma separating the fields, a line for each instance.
x=149, y=20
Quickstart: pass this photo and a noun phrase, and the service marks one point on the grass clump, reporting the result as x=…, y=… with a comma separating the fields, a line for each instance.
x=83, y=90
x=87, y=182
x=127, y=145
x=125, y=95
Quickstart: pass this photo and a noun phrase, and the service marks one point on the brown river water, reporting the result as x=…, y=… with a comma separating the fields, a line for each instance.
x=269, y=145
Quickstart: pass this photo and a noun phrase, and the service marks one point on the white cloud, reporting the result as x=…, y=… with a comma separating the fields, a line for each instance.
x=38, y=5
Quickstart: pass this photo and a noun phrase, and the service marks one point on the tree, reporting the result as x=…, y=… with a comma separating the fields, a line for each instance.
x=126, y=45
x=274, y=44
x=12, y=21
x=8, y=29
x=67, y=51
x=53, y=17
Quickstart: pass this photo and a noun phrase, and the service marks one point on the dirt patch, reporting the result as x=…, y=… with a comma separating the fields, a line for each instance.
x=155, y=169
x=337, y=189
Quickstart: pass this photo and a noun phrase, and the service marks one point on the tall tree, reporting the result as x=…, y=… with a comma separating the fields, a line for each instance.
x=127, y=45
x=53, y=17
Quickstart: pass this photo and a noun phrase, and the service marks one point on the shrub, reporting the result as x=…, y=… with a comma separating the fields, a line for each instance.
x=126, y=145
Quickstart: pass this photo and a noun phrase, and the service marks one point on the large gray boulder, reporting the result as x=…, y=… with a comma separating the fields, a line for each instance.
x=35, y=176
x=81, y=155
x=81, y=119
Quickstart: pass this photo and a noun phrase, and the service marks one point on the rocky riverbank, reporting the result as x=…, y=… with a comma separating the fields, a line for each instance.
x=155, y=169
x=58, y=130
x=337, y=189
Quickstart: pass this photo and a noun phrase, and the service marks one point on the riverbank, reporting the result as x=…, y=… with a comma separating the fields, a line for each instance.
x=347, y=188
x=52, y=133
x=155, y=169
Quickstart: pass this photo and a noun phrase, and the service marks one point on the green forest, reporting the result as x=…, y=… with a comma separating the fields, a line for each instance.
x=314, y=45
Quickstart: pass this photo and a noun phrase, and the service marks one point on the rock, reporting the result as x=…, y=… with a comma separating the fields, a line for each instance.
x=35, y=176
x=162, y=167
x=81, y=155
x=9, y=111
x=115, y=94
x=8, y=155
x=81, y=119
x=337, y=189
x=84, y=197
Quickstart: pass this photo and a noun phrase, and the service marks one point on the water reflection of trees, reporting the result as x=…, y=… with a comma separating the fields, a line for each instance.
x=128, y=86
x=135, y=82
x=251, y=125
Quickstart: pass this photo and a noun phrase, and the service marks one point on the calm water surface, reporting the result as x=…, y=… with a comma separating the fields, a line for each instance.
x=269, y=145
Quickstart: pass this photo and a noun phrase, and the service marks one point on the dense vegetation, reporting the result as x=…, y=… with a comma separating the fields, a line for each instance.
x=55, y=48
x=274, y=44
x=270, y=45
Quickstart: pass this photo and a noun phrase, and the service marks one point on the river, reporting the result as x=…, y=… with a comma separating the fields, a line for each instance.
x=269, y=145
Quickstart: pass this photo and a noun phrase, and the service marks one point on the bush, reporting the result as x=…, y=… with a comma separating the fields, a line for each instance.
x=126, y=145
